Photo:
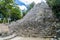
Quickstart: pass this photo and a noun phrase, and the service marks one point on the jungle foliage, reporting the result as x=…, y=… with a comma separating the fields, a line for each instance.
x=55, y=5
x=9, y=10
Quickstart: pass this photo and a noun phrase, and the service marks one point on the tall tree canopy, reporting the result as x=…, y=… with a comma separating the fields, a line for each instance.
x=9, y=9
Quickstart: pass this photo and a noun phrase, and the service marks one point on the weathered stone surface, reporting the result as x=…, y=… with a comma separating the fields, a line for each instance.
x=38, y=22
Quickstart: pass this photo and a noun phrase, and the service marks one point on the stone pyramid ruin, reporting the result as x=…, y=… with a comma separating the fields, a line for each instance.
x=38, y=22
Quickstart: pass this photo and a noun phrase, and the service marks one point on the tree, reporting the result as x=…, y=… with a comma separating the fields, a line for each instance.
x=10, y=10
x=29, y=8
x=55, y=5
x=16, y=14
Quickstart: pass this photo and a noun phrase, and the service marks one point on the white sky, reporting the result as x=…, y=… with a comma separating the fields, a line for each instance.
x=22, y=7
x=28, y=2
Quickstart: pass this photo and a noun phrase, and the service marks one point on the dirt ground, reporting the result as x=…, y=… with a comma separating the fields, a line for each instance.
x=23, y=38
x=3, y=28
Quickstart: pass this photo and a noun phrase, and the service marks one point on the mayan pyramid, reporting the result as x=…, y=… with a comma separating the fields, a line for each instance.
x=38, y=22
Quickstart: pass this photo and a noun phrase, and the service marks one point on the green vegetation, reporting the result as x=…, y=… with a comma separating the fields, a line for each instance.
x=9, y=10
x=30, y=7
x=55, y=5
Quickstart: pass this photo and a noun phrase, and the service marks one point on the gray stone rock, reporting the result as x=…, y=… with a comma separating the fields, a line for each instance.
x=38, y=22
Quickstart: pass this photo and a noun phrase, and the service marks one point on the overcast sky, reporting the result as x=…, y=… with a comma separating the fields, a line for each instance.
x=22, y=3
